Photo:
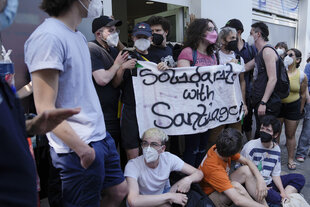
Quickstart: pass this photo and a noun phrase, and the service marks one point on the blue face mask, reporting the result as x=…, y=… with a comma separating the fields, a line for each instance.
x=8, y=14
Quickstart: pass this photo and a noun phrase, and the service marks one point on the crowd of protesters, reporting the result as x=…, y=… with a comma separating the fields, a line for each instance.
x=97, y=153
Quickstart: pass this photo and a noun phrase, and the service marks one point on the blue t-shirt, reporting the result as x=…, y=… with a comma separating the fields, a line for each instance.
x=307, y=71
x=162, y=54
x=248, y=52
x=17, y=169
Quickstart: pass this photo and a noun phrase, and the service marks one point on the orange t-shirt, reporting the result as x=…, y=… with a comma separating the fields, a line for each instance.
x=215, y=172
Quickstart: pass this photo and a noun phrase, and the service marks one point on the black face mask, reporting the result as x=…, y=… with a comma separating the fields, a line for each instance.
x=158, y=39
x=232, y=45
x=265, y=137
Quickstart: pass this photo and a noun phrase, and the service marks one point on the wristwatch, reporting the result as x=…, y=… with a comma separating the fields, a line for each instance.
x=263, y=103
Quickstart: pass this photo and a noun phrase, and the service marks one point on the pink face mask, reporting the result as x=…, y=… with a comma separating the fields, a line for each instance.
x=211, y=37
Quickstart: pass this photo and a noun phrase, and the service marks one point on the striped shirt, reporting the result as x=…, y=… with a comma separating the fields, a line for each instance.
x=268, y=161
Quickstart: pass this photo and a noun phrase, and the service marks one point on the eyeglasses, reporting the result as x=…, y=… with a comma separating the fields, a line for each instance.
x=290, y=55
x=112, y=30
x=155, y=145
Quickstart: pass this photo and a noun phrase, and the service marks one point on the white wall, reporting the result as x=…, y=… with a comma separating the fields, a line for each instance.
x=85, y=26
x=220, y=11
x=304, y=31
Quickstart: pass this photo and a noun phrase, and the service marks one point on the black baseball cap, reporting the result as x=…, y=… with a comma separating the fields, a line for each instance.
x=104, y=21
x=235, y=23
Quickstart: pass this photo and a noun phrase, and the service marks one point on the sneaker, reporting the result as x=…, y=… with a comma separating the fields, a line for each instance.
x=300, y=159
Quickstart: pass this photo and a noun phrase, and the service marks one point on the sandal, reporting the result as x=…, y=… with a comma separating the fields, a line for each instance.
x=291, y=166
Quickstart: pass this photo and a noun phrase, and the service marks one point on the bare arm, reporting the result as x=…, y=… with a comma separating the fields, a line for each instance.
x=25, y=91
x=270, y=59
x=243, y=90
x=45, y=89
x=184, y=63
x=249, y=65
x=261, y=188
x=103, y=77
x=118, y=78
x=240, y=200
x=194, y=176
x=277, y=181
x=303, y=93
x=137, y=200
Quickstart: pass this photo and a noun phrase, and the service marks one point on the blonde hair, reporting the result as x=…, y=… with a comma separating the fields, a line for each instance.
x=157, y=133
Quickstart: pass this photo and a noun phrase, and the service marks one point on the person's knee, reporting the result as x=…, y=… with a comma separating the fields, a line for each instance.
x=245, y=171
x=298, y=181
x=239, y=188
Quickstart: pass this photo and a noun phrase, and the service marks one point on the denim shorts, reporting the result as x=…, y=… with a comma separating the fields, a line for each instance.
x=82, y=187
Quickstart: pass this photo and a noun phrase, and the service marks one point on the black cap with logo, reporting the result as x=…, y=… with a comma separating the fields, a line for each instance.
x=104, y=21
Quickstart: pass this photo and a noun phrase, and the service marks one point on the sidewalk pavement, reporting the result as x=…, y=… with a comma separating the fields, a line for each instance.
x=302, y=168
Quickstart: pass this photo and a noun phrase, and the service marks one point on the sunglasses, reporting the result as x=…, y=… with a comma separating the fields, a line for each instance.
x=290, y=55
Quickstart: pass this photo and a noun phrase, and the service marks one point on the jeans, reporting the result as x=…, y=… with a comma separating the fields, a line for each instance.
x=304, y=139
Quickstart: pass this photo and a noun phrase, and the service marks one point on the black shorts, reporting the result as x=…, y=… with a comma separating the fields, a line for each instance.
x=130, y=138
x=114, y=128
x=291, y=111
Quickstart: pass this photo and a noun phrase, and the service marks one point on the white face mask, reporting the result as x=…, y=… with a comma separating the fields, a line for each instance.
x=150, y=154
x=94, y=9
x=251, y=40
x=288, y=61
x=142, y=44
x=112, y=39
x=280, y=51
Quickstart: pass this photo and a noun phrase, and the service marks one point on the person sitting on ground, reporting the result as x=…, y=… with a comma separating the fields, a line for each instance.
x=224, y=189
x=148, y=174
x=266, y=155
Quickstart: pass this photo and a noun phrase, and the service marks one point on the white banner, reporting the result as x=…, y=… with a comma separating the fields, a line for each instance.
x=187, y=100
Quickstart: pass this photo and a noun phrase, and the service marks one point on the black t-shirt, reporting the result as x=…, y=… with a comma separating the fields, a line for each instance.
x=162, y=54
x=128, y=96
x=17, y=169
x=108, y=95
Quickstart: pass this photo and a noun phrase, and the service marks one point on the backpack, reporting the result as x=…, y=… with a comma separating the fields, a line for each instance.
x=282, y=87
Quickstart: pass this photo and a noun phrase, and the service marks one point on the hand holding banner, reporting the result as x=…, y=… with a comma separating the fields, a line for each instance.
x=187, y=100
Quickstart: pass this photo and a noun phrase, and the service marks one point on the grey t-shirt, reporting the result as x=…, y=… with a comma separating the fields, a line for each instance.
x=55, y=46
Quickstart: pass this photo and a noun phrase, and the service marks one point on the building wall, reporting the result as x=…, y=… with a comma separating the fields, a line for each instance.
x=304, y=31
x=220, y=11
